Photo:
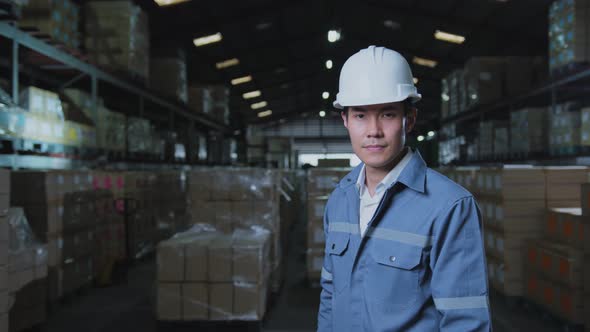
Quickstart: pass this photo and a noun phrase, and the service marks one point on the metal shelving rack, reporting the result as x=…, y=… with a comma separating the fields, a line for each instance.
x=568, y=85
x=19, y=38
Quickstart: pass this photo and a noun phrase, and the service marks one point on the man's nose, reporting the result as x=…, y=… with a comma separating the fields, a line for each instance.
x=374, y=127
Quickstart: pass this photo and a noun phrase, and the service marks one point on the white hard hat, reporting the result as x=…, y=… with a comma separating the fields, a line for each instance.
x=375, y=75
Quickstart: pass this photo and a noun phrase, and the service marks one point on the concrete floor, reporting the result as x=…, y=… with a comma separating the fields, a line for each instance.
x=129, y=306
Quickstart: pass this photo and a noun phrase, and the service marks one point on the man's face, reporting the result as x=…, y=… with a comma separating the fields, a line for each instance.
x=378, y=132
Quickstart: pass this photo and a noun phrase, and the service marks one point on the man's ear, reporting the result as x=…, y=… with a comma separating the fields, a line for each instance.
x=411, y=119
x=344, y=116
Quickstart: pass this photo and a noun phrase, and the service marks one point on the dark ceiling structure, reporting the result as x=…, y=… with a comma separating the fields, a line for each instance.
x=283, y=44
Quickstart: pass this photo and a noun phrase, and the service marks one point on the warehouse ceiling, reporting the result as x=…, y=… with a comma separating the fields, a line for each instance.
x=283, y=44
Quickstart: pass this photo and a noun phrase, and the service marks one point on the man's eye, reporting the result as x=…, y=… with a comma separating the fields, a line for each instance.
x=389, y=115
x=359, y=116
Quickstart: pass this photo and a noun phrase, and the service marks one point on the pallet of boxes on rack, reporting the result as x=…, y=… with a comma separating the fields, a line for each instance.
x=568, y=40
x=54, y=20
x=116, y=36
x=205, y=275
x=320, y=184
x=212, y=100
x=26, y=275
x=240, y=198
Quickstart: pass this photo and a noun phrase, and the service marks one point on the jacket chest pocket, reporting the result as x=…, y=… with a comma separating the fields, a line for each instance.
x=337, y=248
x=393, y=278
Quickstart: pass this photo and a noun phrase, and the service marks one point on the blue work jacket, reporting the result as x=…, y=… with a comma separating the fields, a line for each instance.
x=420, y=265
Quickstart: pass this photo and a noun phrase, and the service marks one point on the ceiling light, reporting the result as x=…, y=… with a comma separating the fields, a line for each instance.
x=322, y=114
x=424, y=62
x=240, y=80
x=333, y=36
x=325, y=95
x=258, y=105
x=445, y=97
x=393, y=25
x=415, y=80
x=420, y=138
x=264, y=113
x=449, y=37
x=430, y=133
x=169, y=2
x=252, y=94
x=329, y=64
x=201, y=41
x=227, y=63
x=263, y=25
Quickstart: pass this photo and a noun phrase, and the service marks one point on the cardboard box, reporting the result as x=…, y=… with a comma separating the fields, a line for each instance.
x=169, y=301
x=559, y=263
x=564, y=302
x=195, y=301
x=221, y=297
x=45, y=220
x=196, y=268
x=170, y=260
x=566, y=226
x=315, y=208
x=250, y=259
x=249, y=301
x=220, y=260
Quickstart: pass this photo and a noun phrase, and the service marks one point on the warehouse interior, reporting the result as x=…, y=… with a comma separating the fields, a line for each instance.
x=165, y=164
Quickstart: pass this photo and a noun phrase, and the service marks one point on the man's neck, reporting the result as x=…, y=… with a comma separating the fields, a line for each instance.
x=374, y=175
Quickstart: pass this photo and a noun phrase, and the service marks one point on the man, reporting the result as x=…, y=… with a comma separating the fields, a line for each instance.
x=404, y=249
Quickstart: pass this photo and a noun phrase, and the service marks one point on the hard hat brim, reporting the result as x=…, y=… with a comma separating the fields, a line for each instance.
x=340, y=105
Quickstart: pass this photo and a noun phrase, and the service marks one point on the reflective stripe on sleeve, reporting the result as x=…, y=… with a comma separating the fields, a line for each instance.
x=468, y=302
x=326, y=275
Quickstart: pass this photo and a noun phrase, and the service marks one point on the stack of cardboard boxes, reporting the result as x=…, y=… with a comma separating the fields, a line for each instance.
x=568, y=39
x=109, y=235
x=528, y=134
x=512, y=201
x=207, y=275
x=239, y=198
x=211, y=99
x=139, y=197
x=117, y=36
x=555, y=264
x=43, y=103
x=110, y=126
x=4, y=245
x=27, y=274
x=564, y=129
x=171, y=203
x=169, y=77
x=320, y=184
x=483, y=80
x=56, y=19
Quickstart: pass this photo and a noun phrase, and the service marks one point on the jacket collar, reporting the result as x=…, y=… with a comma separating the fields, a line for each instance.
x=413, y=175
